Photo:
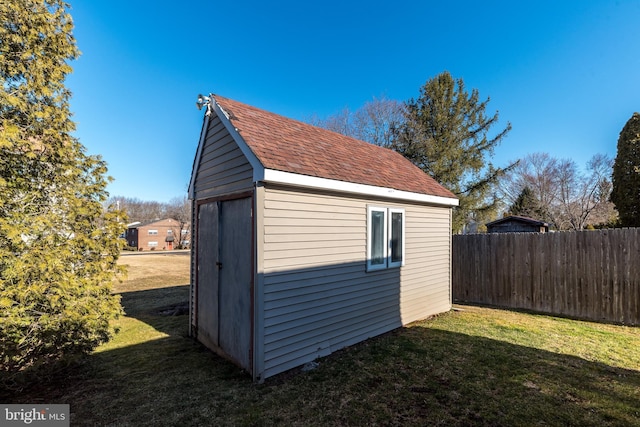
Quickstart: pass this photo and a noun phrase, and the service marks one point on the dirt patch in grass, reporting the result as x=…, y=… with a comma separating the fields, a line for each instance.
x=174, y=309
x=474, y=367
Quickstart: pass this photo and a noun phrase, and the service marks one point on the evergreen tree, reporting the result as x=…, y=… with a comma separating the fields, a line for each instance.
x=58, y=246
x=526, y=205
x=626, y=174
x=446, y=134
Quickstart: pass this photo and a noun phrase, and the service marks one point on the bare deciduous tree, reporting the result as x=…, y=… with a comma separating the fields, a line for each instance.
x=139, y=210
x=584, y=198
x=339, y=122
x=374, y=122
x=179, y=208
x=377, y=121
x=567, y=197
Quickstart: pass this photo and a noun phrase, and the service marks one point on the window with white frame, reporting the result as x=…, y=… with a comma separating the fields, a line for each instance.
x=153, y=232
x=385, y=237
x=153, y=244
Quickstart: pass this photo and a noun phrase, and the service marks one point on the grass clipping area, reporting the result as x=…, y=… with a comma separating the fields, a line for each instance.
x=473, y=367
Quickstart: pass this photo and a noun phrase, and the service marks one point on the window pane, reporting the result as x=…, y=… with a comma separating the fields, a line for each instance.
x=377, y=238
x=396, y=236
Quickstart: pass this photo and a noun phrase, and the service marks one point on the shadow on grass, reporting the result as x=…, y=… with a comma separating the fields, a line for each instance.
x=412, y=376
x=152, y=305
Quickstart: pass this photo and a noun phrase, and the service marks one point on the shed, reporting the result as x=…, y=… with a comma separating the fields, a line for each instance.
x=517, y=224
x=306, y=241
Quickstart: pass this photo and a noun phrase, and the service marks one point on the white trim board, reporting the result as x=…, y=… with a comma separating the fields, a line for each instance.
x=306, y=181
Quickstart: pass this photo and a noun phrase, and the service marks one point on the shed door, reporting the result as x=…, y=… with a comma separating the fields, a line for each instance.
x=207, y=287
x=224, y=278
x=235, y=272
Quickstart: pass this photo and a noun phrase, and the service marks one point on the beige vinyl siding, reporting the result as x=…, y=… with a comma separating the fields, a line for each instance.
x=223, y=168
x=317, y=295
x=427, y=263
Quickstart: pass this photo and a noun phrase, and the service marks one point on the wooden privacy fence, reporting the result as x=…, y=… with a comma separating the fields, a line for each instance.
x=592, y=275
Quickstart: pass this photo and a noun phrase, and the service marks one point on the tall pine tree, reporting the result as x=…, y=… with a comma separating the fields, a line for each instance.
x=58, y=247
x=446, y=134
x=626, y=174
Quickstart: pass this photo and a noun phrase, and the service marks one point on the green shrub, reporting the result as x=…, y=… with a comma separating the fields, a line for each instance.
x=55, y=294
x=58, y=245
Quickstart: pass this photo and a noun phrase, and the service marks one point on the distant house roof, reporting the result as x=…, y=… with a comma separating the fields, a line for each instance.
x=280, y=144
x=139, y=224
x=520, y=219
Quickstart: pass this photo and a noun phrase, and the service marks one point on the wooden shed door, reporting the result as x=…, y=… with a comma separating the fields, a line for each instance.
x=224, y=276
x=207, y=287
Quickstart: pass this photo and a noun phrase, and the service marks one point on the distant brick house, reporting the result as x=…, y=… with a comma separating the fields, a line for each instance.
x=164, y=234
x=517, y=224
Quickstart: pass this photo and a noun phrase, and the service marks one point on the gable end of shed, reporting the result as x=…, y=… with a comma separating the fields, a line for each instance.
x=221, y=166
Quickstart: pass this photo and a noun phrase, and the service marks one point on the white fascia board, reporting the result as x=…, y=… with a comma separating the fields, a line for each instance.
x=280, y=177
x=258, y=168
x=196, y=161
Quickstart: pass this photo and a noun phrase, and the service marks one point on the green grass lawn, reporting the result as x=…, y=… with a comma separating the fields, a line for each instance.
x=478, y=366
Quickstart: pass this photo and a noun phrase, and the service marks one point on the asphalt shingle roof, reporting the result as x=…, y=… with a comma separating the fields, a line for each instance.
x=292, y=146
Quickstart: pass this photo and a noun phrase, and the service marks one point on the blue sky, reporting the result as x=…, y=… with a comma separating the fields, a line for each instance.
x=566, y=74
